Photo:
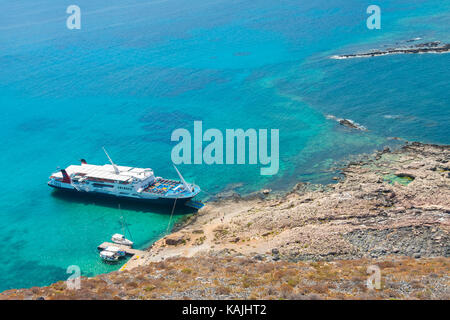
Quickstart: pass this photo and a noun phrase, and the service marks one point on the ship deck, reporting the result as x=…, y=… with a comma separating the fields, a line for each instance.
x=162, y=186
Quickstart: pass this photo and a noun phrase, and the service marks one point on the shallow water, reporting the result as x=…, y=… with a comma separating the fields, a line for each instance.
x=137, y=70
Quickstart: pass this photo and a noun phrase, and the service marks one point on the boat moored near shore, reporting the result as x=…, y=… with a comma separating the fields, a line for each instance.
x=112, y=254
x=123, y=182
x=120, y=239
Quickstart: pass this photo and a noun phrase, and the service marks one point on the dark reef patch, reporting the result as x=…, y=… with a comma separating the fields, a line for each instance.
x=242, y=54
x=161, y=124
x=36, y=274
x=38, y=124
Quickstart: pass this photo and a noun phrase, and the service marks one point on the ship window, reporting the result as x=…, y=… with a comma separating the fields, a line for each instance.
x=99, y=185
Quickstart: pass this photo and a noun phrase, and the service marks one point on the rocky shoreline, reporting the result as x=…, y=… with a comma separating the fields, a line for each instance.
x=391, y=206
x=429, y=47
x=394, y=203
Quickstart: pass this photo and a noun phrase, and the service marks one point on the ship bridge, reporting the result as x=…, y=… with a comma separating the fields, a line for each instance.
x=108, y=173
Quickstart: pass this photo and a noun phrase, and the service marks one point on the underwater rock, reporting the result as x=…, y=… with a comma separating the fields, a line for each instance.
x=347, y=123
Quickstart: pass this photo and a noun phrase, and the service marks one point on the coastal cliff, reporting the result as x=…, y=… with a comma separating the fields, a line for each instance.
x=391, y=209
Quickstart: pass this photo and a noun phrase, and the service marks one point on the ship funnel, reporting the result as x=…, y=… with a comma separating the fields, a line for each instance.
x=116, y=170
x=66, y=178
x=186, y=186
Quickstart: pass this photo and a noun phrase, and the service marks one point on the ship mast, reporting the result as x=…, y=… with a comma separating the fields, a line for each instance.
x=116, y=170
x=186, y=186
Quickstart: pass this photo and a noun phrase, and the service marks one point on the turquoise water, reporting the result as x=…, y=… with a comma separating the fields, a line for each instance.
x=137, y=70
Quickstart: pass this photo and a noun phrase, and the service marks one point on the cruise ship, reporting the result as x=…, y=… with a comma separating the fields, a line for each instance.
x=123, y=182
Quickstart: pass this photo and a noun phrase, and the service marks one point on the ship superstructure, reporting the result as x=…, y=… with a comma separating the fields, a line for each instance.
x=122, y=181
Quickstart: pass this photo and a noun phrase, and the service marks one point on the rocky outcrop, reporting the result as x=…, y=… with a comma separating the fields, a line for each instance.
x=428, y=47
x=347, y=123
x=176, y=240
x=416, y=242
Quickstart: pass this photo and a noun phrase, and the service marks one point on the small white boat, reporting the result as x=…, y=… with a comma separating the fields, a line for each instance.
x=120, y=239
x=112, y=254
x=116, y=250
x=109, y=256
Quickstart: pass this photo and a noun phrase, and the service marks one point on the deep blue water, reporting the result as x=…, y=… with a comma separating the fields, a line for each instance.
x=137, y=70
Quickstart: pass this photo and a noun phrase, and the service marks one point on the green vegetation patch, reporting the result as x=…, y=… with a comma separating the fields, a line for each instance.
x=401, y=179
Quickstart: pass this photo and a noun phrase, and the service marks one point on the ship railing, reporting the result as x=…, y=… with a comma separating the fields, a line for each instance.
x=75, y=186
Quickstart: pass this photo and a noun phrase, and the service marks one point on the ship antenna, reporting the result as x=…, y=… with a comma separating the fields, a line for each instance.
x=116, y=170
x=182, y=179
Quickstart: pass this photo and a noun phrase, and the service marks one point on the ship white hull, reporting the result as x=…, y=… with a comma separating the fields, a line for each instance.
x=151, y=200
x=122, y=182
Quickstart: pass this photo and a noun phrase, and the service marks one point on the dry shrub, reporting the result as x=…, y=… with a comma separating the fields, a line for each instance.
x=150, y=288
x=358, y=279
x=319, y=288
x=296, y=296
x=391, y=293
x=161, y=265
x=81, y=294
x=248, y=282
x=265, y=267
x=186, y=271
x=231, y=269
x=386, y=264
x=362, y=286
x=286, y=290
x=222, y=290
x=88, y=284
x=171, y=272
x=293, y=282
x=392, y=285
x=278, y=275
x=158, y=282
x=35, y=290
x=271, y=291
x=60, y=285
x=339, y=296
x=147, y=269
x=418, y=294
x=415, y=284
x=245, y=261
x=199, y=241
x=289, y=271
x=132, y=285
x=140, y=277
